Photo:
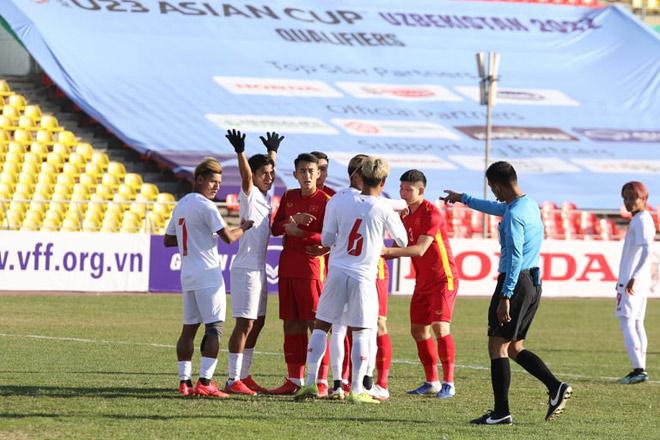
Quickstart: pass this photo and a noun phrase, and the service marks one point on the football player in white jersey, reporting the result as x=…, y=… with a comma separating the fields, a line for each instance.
x=249, y=288
x=354, y=227
x=194, y=223
x=634, y=281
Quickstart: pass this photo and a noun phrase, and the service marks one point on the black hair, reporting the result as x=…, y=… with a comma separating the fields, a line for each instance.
x=305, y=157
x=502, y=173
x=320, y=155
x=413, y=176
x=259, y=160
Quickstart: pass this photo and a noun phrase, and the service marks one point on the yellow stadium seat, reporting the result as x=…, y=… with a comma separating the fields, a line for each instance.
x=40, y=205
x=4, y=141
x=59, y=203
x=72, y=169
x=23, y=136
x=4, y=88
x=134, y=180
x=39, y=148
x=6, y=189
x=62, y=188
x=70, y=225
x=155, y=219
x=53, y=215
x=4, y=134
x=50, y=123
x=6, y=124
x=127, y=191
x=28, y=178
x=30, y=224
x=132, y=216
x=45, y=137
x=74, y=214
x=44, y=189
x=93, y=214
x=80, y=188
x=66, y=179
x=79, y=203
x=27, y=123
x=150, y=190
x=16, y=147
x=110, y=180
x=13, y=220
x=120, y=201
x=19, y=205
x=85, y=150
x=33, y=111
x=100, y=199
x=63, y=150
x=94, y=169
x=78, y=159
x=116, y=216
x=56, y=159
x=9, y=178
x=89, y=225
x=101, y=159
x=110, y=225
x=51, y=225
x=33, y=160
x=161, y=208
x=88, y=180
x=17, y=101
x=117, y=168
x=17, y=158
x=46, y=178
x=11, y=112
x=36, y=215
x=104, y=190
x=25, y=190
x=66, y=137
x=11, y=168
x=49, y=168
x=101, y=208
x=139, y=208
x=165, y=197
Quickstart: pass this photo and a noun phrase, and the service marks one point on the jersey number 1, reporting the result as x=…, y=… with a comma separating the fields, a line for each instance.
x=355, y=240
x=184, y=245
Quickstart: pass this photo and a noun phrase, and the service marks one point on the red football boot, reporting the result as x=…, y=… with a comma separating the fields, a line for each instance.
x=210, y=390
x=185, y=389
x=238, y=387
x=251, y=384
x=289, y=388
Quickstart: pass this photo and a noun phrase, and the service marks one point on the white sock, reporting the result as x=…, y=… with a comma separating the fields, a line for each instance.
x=643, y=341
x=235, y=361
x=247, y=362
x=185, y=370
x=207, y=367
x=359, y=358
x=337, y=350
x=631, y=339
x=373, y=349
x=315, y=352
x=296, y=380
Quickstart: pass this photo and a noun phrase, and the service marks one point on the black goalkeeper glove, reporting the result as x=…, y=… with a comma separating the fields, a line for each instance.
x=272, y=141
x=237, y=140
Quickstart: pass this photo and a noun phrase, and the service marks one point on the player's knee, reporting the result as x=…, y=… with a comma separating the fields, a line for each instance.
x=214, y=329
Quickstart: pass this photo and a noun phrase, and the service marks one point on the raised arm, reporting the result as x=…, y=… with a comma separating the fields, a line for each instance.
x=487, y=206
x=237, y=140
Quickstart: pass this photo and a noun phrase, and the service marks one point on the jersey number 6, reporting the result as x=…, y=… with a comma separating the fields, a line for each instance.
x=355, y=240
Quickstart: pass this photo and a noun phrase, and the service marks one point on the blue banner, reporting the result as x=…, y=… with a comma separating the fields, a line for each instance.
x=577, y=110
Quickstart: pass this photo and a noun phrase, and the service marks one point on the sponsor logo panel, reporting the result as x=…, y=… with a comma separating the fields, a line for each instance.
x=523, y=96
x=390, y=128
x=522, y=133
x=622, y=166
x=240, y=85
x=610, y=135
x=261, y=123
x=402, y=92
x=427, y=161
x=536, y=165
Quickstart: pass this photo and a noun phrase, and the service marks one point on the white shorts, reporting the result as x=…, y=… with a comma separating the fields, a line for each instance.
x=359, y=297
x=630, y=306
x=204, y=305
x=249, y=293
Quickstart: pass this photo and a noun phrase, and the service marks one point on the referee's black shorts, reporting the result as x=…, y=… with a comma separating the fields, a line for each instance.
x=522, y=308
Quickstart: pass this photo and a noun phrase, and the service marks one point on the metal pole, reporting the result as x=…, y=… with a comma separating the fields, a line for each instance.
x=489, y=107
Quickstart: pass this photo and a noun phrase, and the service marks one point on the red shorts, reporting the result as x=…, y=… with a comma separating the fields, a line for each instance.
x=429, y=307
x=383, y=287
x=299, y=298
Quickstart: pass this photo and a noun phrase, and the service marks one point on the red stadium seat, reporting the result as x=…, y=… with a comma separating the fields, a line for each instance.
x=588, y=223
x=232, y=202
x=609, y=230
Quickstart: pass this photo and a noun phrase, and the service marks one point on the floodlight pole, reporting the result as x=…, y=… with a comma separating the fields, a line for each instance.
x=488, y=97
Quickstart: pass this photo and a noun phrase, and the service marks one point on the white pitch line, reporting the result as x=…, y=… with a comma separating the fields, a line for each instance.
x=394, y=361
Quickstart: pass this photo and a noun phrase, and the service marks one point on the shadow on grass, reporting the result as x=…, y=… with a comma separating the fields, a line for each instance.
x=75, y=392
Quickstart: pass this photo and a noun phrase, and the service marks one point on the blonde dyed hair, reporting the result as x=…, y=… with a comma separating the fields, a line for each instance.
x=356, y=163
x=374, y=171
x=208, y=165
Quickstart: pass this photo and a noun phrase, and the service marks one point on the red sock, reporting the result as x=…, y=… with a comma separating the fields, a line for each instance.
x=346, y=366
x=383, y=359
x=325, y=364
x=426, y=351
x=291, y=356
x=447, y=354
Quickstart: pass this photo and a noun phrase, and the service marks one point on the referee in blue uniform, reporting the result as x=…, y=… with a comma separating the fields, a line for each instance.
x=518, y=292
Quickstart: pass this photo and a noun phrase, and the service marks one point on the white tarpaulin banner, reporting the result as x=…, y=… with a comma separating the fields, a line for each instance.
x=568, y=268
x=74, y=261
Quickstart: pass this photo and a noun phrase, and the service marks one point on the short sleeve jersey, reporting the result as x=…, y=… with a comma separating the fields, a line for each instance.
x=437, y=264
x=354, y=226
x=294, y=260
x=253, y=245
x=641, y=231
x=195, y=221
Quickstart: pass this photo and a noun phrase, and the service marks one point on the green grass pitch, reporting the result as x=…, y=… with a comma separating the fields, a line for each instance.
x=104, y=367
